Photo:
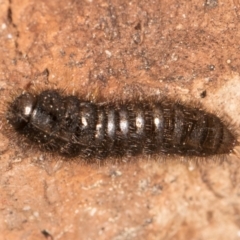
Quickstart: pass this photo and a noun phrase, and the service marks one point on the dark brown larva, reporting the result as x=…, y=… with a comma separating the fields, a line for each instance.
x=71, y=127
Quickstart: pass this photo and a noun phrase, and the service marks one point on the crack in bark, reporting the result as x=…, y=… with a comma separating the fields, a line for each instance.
x=11, y=22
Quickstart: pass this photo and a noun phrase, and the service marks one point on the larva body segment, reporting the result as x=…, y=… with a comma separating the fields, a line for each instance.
x=71, y=127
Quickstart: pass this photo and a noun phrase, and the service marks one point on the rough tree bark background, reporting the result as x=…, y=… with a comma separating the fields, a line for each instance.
x=165, y=47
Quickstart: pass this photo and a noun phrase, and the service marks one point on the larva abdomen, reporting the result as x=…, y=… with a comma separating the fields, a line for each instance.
x=72, y=127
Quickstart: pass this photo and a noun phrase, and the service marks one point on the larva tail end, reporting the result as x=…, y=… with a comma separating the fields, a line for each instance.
x=228, y=143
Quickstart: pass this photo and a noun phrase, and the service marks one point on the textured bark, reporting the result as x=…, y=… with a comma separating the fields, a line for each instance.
x=187, y=50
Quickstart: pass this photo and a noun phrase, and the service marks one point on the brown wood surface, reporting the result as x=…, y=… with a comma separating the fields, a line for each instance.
x=117, y=49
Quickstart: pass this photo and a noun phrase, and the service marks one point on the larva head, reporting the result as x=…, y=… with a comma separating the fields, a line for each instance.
x=20, y=110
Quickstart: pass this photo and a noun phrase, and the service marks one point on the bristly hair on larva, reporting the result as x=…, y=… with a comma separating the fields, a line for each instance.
x=73, y=127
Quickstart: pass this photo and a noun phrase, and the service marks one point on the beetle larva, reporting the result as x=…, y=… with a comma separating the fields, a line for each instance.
x=72, y=127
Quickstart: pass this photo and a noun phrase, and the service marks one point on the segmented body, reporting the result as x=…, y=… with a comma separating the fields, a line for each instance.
x=72, y=127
